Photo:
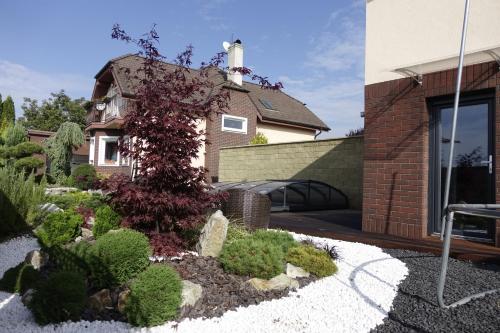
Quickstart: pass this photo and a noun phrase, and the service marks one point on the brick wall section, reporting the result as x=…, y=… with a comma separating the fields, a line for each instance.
x=107, y=170
x=338, y=162
x=240, y=105
x=396, y=147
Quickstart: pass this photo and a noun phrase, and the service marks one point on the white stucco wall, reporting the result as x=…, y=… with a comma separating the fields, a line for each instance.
x=402, y=33
x=200, y=160
x=278, y=134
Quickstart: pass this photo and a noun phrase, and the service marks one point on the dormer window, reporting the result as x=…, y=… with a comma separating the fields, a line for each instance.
x=267, y=104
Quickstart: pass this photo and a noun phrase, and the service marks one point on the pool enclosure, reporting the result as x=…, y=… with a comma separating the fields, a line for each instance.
x=292, y=194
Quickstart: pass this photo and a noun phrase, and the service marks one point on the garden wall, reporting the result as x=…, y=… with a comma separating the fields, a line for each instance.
x=338, y=162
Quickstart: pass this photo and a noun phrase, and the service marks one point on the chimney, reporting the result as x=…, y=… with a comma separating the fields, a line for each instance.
x=235, y=59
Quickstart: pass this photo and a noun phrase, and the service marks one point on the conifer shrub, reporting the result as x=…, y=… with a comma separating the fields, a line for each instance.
x=28, y=164
x=106, y=219
x=252, y=257
x=23, y=149
x=20, y=278
x=259, y=139
x=59, y=228
x=60, y=298
x=236, y=231
x=279, y=238
x=155, y=296
x=311, y=259
x=84, y=176
x=123, y=253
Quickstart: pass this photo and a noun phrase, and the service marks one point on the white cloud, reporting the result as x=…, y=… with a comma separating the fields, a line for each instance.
x=20, y=81
x=207, y=10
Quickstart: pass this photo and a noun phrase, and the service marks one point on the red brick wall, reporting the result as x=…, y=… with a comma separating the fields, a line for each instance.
x=396, y=148
x=107, y=170
x=240, y=105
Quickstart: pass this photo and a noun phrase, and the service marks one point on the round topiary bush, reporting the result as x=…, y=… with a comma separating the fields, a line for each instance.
x=60, y=298
x=84, y=176
x=251, y=257
x=279, y=238
x=315, y=261
x=106, y=219
x=155, y=296
x=123, y=254
x=59, y=228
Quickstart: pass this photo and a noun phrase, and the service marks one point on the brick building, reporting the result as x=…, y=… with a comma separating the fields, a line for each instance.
x=280, y=117
x=410, y=74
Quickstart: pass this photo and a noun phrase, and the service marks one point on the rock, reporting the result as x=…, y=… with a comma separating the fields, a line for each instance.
x=191, y=292
x=49, y=207
x=27, y=296
x=91, y=220
x=59, y=190
x=213, y=235
x=122, y=300
x=295, y=272
x=279, y=282
x=78, y=239
x=87, y=234
x=100, y=300
x=37, y=259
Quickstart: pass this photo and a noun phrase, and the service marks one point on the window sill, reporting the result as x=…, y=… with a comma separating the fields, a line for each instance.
x=233, y=131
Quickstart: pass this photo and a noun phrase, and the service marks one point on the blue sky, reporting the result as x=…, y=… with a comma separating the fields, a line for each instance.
x=316, y=48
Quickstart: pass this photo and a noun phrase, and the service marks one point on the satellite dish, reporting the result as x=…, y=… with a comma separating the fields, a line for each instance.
x=226, y=45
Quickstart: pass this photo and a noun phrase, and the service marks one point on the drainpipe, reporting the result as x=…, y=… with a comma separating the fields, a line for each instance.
x=316, y=135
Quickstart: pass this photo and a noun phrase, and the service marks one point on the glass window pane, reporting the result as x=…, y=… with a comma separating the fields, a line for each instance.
x=233, y=123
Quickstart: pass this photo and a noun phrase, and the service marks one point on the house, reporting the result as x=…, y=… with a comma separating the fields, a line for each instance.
x=280, y=117
x=411, y=64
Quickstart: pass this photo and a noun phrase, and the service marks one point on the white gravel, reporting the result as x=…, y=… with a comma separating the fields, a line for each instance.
x=13, y=251
x=356, y=299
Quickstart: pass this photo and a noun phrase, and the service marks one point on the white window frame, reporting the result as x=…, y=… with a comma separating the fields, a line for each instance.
x=102, y=147
x=92, y=151
x=235, y=130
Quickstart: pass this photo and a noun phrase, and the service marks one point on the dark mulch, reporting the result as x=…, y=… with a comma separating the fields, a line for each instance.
x=221, y=291
x=415, y=308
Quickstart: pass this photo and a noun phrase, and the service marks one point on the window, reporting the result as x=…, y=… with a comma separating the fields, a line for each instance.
x=267, y=104
x=109, y=155
x=91, y=150
x=234, y=124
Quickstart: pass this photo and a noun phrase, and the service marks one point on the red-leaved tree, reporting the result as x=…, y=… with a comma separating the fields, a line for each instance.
x=169, y=197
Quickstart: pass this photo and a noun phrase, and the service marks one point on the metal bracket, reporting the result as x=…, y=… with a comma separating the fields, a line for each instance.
x=495, y=57
x=411, y=74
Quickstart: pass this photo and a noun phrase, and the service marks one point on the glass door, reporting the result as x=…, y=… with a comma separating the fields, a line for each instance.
x=472, y=177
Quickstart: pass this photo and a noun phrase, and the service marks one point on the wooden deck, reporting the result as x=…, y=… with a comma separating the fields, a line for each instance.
x=303, y=223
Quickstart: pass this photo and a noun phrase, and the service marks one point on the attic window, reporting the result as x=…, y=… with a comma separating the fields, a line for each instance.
x=267, y=104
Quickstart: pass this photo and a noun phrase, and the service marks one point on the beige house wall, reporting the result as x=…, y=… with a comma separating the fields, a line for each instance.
x=278, y=133
x=338, y=162
x=403, y=33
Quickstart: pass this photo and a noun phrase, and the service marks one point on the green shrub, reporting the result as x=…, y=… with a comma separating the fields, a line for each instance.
x=15, y=135
x=19, y=201
x=236, y=231
x=28, y=164
x=93, y=201
x=19, y=279
x=68, y=200
x=105, y=220
x=124, y=254
x=84, y=176
x=59, y=228
x=315, y=261
x=23, y=149
x=251, y=257
x=60, y=298
x=279, y=238
x=72, y=258
x=259, y=139
x=155, y=296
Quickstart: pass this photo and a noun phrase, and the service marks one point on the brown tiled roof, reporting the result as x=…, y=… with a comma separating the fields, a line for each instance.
x=285, y=109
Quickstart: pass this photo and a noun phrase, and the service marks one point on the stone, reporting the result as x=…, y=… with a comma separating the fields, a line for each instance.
x=213, y=235
x=100, y=300
x=122, y=300
x=59, y=190
x=295, y=272
x=87, y=234
x=37, y=259
x=78, y=239
x=279, y=282
x=191, y=293
x=91, y=220
x=27, y=296
x=49, y=208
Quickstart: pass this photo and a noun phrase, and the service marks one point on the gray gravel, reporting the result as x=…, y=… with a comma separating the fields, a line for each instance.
x=415, y=308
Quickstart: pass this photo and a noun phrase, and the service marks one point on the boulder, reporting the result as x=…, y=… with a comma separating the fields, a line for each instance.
x=122, y=300
x=59, y=190
x=91, y=220
x=27, y=296
x=191, y=293
x=49, y=207
x=78, y=239
x=213, y=235
x=295, y=272
x=100, y=300
x=37, y=259
x=87, y=234
x=278, y=282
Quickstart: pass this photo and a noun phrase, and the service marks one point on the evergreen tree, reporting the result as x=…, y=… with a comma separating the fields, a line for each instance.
x=60, y=148
x=8, y=116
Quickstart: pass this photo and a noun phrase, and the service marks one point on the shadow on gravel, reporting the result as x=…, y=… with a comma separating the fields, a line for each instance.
x=415, y=307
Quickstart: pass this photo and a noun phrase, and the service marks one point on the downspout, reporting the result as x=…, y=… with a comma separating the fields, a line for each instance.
x=316, y=135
